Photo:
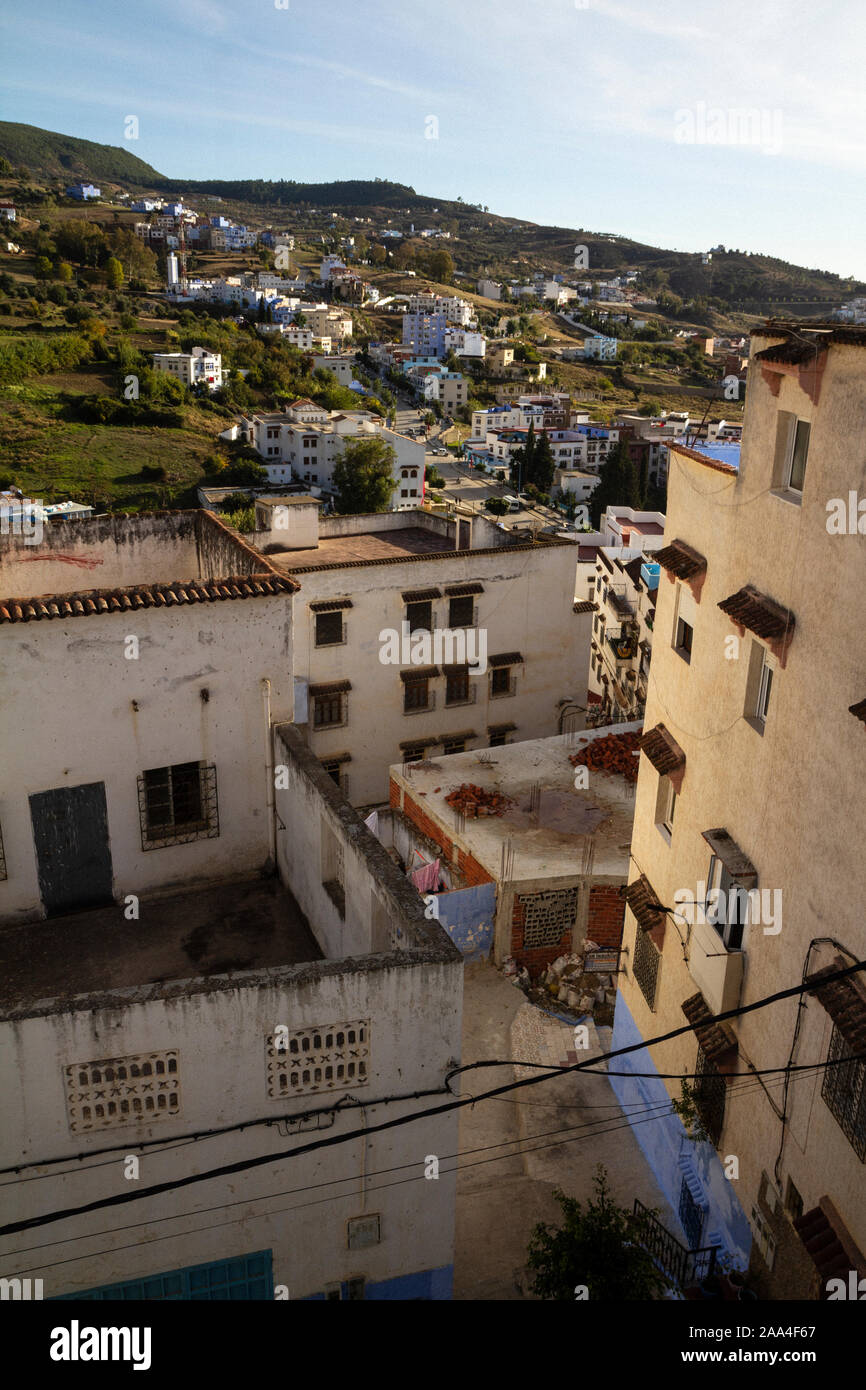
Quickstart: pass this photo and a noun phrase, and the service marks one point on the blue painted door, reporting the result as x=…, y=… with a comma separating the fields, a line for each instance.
x=246, y=1278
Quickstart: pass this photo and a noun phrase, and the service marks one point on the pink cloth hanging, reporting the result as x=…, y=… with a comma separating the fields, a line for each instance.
x=426, y=879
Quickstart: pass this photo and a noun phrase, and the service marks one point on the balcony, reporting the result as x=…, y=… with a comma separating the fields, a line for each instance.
x=624, y=607
x=716, y=970
x=623, y=647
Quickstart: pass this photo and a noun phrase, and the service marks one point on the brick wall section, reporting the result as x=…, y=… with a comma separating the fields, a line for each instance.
x=606, y=917
x=471, y=871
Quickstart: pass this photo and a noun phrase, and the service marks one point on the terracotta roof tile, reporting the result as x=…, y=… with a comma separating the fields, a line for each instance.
x=89, y=602
x=505, y=659
x=858, y=710
x=330, y=605
x=642, y=899
x=751, y=609
x=584, y=606
x=704, y=459
x=501, y=728
x=331, y=688
x=680, y=559
x=829, y=1243
x=421, y=595
x=420, y=673
x=463, y=590
x=717, y=1040
x=844, y=1003
x=662, y=750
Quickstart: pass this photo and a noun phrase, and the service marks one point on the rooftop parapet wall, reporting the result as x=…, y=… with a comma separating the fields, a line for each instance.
x=104, y=552
x=355, y=898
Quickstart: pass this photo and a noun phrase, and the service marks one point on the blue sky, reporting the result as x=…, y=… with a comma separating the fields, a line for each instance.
x=682, y=123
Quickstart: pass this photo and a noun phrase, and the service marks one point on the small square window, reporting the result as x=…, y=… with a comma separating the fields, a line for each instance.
x=798, y=451
x=420, y=616
x=461, y=612
x=457, y=688
x=666, y=807
x=500, y=680
x=453, y=745
x=329, y=629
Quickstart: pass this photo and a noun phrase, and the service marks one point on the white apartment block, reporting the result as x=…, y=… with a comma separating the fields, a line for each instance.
x=464, y=343
x=748, y=876
x=363, y=577
x=303, y=442
x=601, y=348
x=456, y=310
x=201, y=939
x=191, y=367
x=489, y=289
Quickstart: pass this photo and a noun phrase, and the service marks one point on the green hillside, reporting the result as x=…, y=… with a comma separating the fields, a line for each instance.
x=47, y=154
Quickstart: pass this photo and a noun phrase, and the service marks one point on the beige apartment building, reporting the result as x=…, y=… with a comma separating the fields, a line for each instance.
x=748, y=874
x=508, y=654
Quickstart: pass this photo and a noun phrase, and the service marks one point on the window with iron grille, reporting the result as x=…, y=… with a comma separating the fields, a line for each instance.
x=122, y=1091
x=691, y=1216
x=844, y=1090
x=457, y=689
x=177, y=805
x=420, y=616
x=501, y=680
x=461, y=612
x=2, y=857
x=416, y=695
x=328, y=711
x=318, y=1059
x=647, y=959
x=330, y=630
x=709, y=1095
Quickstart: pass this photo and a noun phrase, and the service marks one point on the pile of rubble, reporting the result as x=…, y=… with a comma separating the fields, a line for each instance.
x=569, y=985
x=615, y=753
x=475, y=801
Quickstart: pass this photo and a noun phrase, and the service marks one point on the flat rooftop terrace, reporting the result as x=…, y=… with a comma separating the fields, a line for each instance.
x=368, y=545
x=193, y=935
x=549, y=817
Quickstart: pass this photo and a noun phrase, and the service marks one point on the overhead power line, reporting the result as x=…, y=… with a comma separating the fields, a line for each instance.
x=243, y=1165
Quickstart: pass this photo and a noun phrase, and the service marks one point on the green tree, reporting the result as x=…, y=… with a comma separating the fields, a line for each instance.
x=378, y=255
x=42, y=268
x=522, y=459
x=618, y=483
x=597, y=1248
x=363, y=476
x=113, y=273
x=543, y=465
x=441, y=267
x=64, y=271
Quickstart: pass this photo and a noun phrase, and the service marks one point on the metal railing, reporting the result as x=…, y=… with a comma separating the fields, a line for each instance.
x=647, y=959
x=682, y=1266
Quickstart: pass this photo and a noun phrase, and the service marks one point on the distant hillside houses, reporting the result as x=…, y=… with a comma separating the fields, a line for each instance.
x=192, y=368
x=83, y=191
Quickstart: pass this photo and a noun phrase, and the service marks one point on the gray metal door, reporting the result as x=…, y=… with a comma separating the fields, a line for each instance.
x=70, y=832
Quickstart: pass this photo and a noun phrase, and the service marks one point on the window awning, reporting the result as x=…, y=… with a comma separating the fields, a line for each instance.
x=458, y=734
x=829, y=1243
x=681, y=560
x=584, y=606
x=330, y=605
x=844, y=1003
x=858, y=710
x=457, y=669
x=749, y=608
x=664, y=752
x=337, y=758
x=501, y=728
x=463, y=590
x=421, y=595
x=505, y=659
x=641, y=898
x=419, y=673
x=717, y=1040
x=332, y=688
x=411, y=743
x=738, y=865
